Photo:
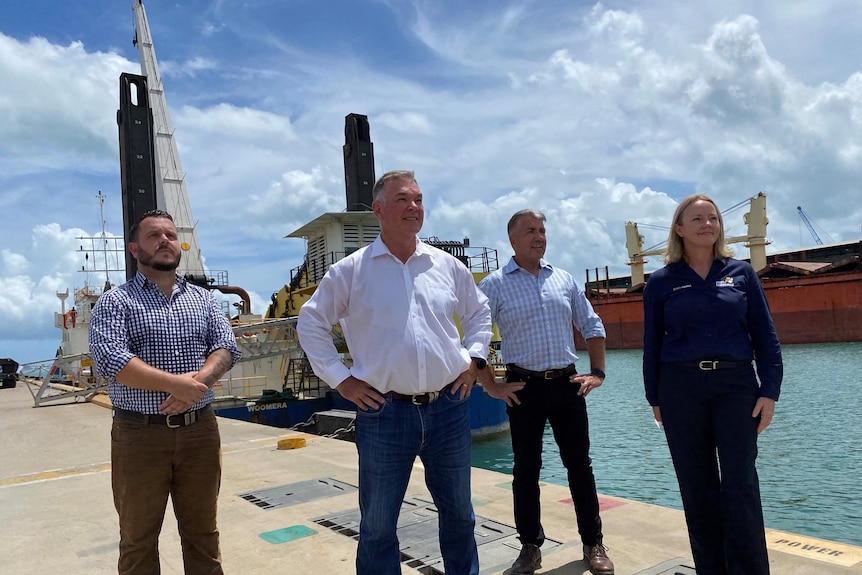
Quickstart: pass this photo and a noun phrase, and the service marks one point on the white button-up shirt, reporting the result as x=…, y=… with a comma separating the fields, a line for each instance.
x=398, y=319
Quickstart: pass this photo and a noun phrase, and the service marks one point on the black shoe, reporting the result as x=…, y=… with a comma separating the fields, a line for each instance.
x=528, y=561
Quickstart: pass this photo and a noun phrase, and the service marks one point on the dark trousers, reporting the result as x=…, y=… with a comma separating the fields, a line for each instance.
x=713, y=442
x=555, y=401
x=149, y=462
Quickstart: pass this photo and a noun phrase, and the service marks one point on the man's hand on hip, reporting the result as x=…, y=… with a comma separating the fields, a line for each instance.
x=360, y=393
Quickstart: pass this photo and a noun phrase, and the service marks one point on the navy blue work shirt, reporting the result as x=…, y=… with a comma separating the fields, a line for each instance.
x=723, y=317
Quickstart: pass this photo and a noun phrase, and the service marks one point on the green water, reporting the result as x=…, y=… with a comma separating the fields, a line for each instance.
x=810, y=458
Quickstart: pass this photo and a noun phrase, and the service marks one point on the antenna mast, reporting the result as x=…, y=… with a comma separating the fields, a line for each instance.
x=104, y=239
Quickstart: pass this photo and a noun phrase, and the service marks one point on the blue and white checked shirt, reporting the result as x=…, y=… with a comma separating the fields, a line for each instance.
x=137, y=320
x=535, y=315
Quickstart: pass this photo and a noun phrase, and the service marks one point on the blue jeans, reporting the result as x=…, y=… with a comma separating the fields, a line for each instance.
x=388, y=440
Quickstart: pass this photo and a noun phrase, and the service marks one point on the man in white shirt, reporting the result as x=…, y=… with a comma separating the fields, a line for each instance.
x=396, y=301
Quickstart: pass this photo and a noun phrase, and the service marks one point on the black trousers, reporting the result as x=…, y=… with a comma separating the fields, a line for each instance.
x=555, y=401
x=713, y=442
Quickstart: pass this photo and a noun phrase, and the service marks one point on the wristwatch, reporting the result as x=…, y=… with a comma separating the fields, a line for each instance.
x=480, y=362
x=597, y=372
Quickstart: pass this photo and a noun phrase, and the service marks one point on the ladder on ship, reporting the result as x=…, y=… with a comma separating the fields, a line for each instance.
x=301, y=379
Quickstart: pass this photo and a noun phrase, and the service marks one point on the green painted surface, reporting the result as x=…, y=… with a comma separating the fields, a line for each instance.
x=287, y=534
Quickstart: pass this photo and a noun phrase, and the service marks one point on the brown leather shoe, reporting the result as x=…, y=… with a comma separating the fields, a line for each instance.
x=597, y=557
x=528, y=561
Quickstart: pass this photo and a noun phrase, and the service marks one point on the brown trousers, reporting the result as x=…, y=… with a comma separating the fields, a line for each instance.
x=150, y=462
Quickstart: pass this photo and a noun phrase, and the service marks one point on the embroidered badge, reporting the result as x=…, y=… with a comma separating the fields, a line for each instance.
x=726, y=282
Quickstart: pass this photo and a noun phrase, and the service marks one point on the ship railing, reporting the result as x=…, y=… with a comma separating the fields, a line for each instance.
x=240, y=387
x=313, y=269
x=477, y=259
x=601, y=286
x=267, y=338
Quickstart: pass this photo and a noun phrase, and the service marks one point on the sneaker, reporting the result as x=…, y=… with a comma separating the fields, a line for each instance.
x=597, y=557
x=528, y=561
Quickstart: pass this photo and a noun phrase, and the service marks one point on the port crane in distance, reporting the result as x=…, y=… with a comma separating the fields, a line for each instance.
x=810, y=227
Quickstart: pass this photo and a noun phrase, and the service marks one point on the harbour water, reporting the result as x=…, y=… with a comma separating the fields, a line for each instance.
x=809, y=462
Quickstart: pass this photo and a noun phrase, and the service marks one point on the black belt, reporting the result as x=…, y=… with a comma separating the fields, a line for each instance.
x=418, y=398
x=546, y=374
x=172, y=421
x=713, y=364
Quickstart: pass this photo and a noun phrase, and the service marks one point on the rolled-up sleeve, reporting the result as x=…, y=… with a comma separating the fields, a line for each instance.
x=221, y=332
x=108, y=335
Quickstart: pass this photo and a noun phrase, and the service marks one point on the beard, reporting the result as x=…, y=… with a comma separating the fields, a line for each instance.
x=146, y=259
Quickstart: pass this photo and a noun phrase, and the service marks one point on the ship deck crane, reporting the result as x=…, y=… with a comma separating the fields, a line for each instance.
x=810, y=227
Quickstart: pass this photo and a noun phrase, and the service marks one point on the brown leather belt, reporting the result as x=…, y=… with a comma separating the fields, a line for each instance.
x=172, y=421
x=546, y=374
x=418, y=398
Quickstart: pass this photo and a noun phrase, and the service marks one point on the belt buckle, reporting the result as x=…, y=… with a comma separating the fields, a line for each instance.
x=707, y=365
x=188, y=418
x=425, y=398
x=550, y=373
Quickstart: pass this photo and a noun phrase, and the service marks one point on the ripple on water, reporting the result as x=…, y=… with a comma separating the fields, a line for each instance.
x=810, y=458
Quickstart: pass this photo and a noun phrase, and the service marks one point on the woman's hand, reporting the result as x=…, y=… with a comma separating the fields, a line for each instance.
x=765, y=408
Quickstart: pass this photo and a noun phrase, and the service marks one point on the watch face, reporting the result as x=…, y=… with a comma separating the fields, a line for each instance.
x=480, y=363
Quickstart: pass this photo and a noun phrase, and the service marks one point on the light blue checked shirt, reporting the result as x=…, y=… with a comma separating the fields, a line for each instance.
x=535, y=315
x=176, y=335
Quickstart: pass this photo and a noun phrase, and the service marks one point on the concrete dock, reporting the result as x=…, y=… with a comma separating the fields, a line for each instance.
x=295, y=510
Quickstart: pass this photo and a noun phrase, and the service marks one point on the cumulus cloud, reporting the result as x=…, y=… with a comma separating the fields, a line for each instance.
x=595, y=115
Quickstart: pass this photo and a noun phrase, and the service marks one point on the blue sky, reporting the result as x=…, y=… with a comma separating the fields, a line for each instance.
x=596, y=113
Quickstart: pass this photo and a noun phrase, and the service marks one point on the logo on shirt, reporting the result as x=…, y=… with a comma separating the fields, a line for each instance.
x=726, y=282
x=682, y=287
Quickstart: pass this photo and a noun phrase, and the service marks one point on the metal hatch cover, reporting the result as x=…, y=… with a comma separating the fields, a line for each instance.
x=296, y=493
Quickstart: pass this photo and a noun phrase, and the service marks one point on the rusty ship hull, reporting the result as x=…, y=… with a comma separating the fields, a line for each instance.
x=811, y=301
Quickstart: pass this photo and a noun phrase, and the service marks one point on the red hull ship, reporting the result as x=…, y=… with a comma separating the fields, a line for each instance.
x=815, y=296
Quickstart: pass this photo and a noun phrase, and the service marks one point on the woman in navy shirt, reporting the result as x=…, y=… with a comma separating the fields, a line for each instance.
x=705, y=320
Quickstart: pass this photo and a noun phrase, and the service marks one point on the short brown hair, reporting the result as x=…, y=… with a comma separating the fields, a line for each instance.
x=133, y=231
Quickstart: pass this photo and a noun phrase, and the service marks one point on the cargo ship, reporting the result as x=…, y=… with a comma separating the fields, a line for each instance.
x=814, y=294
x=273, y=384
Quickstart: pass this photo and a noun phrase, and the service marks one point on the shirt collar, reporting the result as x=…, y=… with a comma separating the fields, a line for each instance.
x=140, y=281
x=378, y=248
x=513, y=265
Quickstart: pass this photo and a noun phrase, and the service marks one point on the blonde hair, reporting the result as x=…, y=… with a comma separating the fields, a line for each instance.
x=675, y=247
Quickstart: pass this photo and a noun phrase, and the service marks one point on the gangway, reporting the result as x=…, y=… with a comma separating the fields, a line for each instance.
x=62, y=378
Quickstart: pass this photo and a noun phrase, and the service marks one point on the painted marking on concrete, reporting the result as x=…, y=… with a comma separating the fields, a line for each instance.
x=287, y=534
x=54, y=474
x=812, y=548
x=605, y=503
x=508, y=485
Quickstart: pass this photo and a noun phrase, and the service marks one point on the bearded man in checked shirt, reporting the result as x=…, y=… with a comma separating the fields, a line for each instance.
x=163, y=343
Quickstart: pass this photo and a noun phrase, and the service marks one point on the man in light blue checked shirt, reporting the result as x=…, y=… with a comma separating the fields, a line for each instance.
x=163, y=343
x=536, y=307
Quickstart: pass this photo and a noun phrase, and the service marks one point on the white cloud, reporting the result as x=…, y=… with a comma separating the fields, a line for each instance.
x=596, y=115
